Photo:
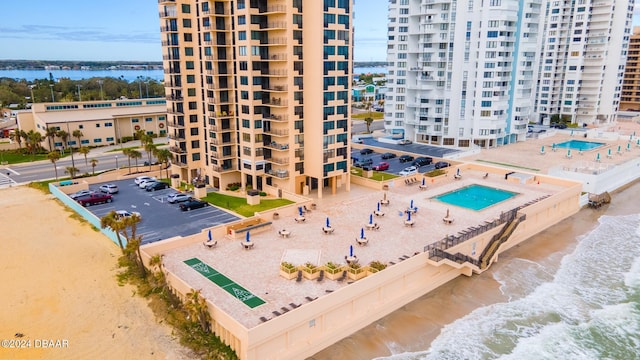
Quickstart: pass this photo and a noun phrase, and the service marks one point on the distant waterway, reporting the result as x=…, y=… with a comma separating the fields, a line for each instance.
x=128, y=75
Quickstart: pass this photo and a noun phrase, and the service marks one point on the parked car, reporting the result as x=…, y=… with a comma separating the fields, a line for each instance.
x=422, y=161
x=144, y=183
x=366, y=151
x=78, y=194
x=411, y=170
x=405, y=142
x=442, y=164
x=121, y=214
x=388, y=155
x=193, y=204
x=558, y=125
x=381, y=166
x=109, y=188
x=363, y=162
x=178, y=198
x=93, y=199
x=157, y=186
x=405, y=158
x=140, y=179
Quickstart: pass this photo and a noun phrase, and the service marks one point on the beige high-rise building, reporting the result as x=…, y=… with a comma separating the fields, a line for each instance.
x=630, y=99
x=259, y=92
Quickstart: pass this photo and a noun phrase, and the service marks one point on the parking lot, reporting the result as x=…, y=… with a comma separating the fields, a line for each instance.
x=160, y=219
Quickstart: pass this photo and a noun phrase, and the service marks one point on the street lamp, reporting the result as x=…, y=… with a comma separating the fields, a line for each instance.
x=116, y=162
x=100, y=83
x=146, y=83
x=139, y=87
x=33, y=100
x=53, y=99
x=79, y=95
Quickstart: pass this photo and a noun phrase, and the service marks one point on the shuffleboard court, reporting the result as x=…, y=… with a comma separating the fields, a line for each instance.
x=224, y=282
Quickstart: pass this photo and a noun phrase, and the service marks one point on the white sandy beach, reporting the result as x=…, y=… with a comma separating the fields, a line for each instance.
x=58, y=282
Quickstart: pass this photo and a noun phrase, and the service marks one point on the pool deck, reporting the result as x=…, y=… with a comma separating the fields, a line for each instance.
x=257, y=269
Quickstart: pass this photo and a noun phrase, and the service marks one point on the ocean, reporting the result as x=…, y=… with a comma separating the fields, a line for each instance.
x=571, y=292
x=129, y=75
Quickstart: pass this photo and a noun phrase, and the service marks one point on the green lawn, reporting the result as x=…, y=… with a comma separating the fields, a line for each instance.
x=376, y=115
x=239, y=204
x=377, y=175
x=16, y=157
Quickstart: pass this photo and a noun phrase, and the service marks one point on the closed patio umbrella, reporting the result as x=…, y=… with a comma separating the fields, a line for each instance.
x=411, y=204
x=370, y=218
x=361, y=233
x=248, y=237
x=328, y=224
x=378, y=205
x=210, y=237
x=351, y=250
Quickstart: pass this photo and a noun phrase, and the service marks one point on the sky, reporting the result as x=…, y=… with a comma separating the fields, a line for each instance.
x=130, y=30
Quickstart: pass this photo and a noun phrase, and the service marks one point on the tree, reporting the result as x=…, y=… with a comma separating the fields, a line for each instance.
x=368, y=120
x=64, y=136
x=163, y=156
x=78, y=135
x=17, y=137
x=50, y=134
x=127, y=153
x=84, y=151
x=54, y=156
x=72, y=171
x=149, y=146
x=111, y=221
x=94, y=162
x=133, y=241
x=197, y=308
x=135, y=154
x=33, y=140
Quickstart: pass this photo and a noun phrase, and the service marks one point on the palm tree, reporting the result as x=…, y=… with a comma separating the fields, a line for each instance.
x=156, y=262
x=368, y=120
x=134, y=241
x=84, y=151
x=198, y=311
x=94, y=162
x=25, y=136
x=50, y=134
x=163, y=156
x=64, y=136
x=54, y=156
x=135, y=154
x=17, y=137
x=78, y=135
x=111, y=221
x=127, y=153
x=72, y=171
x=149, y=146
x=33, y=140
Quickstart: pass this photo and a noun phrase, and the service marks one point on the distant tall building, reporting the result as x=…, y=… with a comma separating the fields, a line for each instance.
x=242, y=105
x=584, y=50
x=630, y=99
x=476, y=72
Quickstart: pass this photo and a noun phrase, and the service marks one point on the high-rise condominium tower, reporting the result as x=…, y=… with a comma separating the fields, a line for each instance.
x=630, y=99
x=258, y=92
x=476, y=72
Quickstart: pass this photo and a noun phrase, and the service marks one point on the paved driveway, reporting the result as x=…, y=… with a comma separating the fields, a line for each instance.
x=160, y=220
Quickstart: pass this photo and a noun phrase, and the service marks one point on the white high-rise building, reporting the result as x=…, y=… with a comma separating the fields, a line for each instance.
x=469, y=73
x=584, y=52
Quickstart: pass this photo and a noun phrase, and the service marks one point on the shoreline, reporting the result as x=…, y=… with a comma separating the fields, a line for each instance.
x=415, y=326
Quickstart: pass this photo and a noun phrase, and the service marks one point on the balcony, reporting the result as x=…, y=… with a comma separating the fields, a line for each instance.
x=223, y=168
x=276, y=118
x=276, y=132
x=274, y=9
x=166, y=1
x=179, y=164
x=177, y=150
x=176, y=137
x=275, y=102
x=282, y=174
x=220, y=155
x=168, y=13
x=275, y=88
x=279, y=161
x=175, y=124
x=277, y=146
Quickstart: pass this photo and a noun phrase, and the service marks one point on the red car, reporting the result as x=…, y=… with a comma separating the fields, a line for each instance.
x=382, y=166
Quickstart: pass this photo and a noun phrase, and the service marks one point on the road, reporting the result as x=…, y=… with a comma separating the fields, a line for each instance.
x=41, y=170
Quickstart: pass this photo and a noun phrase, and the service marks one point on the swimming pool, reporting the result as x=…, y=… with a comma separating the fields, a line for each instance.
x=579, y=145
x=475, y=197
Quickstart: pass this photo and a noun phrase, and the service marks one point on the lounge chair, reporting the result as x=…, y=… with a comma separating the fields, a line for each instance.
x=294, y=305
x=264, y=319
x=321, y=277
x=284, y=309
x=343, y=276
x=276, y=313
x=485, y=176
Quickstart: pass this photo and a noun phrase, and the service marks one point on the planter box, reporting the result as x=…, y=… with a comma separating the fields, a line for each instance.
x=335, y=276
x=289, y=275
x=371, y=271
x=356, y=274
x=311, y=276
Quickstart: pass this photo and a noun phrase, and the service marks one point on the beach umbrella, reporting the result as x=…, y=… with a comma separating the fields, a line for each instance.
x=210, y=238
x=571, y=132
x=569, y=153
x=411, y=206
x=447, y=214
x=408, y=215
x=553, y=146
x=300, y=210
x=638, y=142
x=619, y=148
x=370, y=218
x=247, y=237
x=384, y=196
x=609, y=152
x=542, y=149
x=361, y=233
x=457, y=173
x=378, y=205
x=328, y=224
x=628, y=146
x=423, y=181
x=351, y=250
x=598, y=157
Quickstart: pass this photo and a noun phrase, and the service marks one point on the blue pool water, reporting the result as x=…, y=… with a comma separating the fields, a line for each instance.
x=579, y=145
x=475, y=197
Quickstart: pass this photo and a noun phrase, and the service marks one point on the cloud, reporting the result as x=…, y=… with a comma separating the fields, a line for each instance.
x=69, y=33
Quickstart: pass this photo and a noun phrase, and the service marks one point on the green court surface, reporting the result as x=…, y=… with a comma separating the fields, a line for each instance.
x=224, y=282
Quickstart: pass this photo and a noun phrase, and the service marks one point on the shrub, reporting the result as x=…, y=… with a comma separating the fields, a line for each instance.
x=332, y=268
x=310, y=268
x=262, y=193
x=287, y=265
x=377, y=265
x=233, y=186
